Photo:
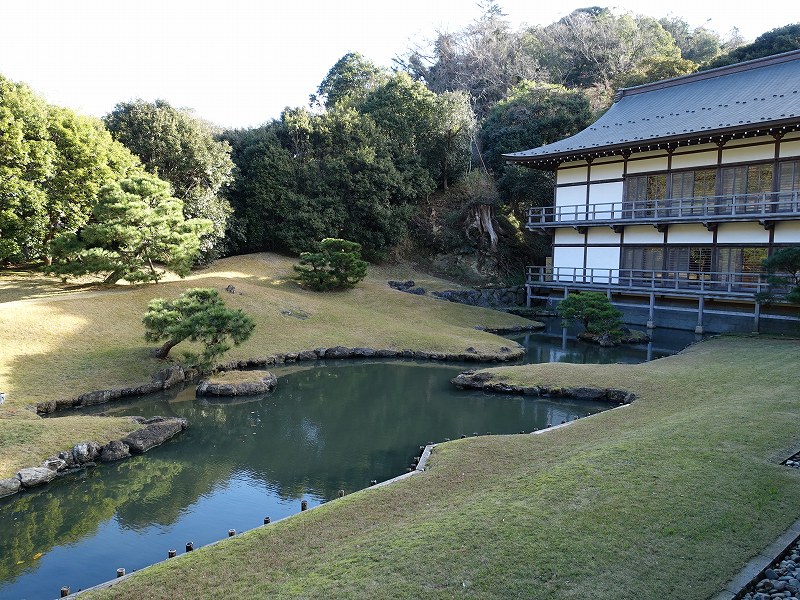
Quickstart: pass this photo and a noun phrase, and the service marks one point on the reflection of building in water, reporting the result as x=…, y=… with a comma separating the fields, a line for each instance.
x=672, y=199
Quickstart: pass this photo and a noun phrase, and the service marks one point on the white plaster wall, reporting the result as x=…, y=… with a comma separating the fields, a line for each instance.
x=791, y=148
x=700, y=159
x=607, y=198
x=734, y=155
x=567, y=258
x=603, y=257
x=643, y=234
x=606, y=171
x=602, y=235
x=687, y=234
x=566, y=199
x=576, y=174
x=647, y=165
x=742, y=233
x=787, y=232
x=568, y=235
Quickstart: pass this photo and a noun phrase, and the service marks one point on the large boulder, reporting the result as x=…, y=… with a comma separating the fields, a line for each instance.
x=85, y=452
x=339, y=352
x=258, y=385
x=169, y=377
x=54, y=463
x=33, y=476
x=9, y=486
x=154, y=433
x=114, y=450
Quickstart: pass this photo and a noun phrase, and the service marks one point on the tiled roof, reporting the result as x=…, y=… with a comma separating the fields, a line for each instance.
x=746, y=96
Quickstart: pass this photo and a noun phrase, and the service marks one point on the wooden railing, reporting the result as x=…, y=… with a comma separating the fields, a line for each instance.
x=737, y=207
x=682, y=283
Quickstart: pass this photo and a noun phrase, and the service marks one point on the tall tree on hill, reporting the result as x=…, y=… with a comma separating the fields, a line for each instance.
x=534, y=114
x=594, y=48
x=86, y=158
x=698, y=45
x=776, y=41
x=26, y=161
x=349, y=80
x=183, y=150
x=269, y=212
x=485, y=60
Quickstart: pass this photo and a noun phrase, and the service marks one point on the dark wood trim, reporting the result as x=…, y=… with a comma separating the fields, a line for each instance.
x=776, y=162
x=597, y=181
x=588, y=185
x=569, y=168
x=586, y=248
x=668, y=191
x=551, y=161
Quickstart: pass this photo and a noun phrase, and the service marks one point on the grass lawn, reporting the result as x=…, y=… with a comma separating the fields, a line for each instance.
x=63, y=340
x=666, y=498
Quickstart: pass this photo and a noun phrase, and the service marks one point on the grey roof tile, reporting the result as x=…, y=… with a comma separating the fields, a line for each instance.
x=763, y=91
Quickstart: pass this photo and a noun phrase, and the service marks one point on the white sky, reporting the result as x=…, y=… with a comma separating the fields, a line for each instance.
x=240, y=62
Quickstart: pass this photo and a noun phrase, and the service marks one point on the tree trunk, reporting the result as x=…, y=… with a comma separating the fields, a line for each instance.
x=113, y=277
x=485, y=220
x=164, y=350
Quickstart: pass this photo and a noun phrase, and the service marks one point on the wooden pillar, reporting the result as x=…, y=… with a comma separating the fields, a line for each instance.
x=651, y=315
x=757, y=317
x=700, y=329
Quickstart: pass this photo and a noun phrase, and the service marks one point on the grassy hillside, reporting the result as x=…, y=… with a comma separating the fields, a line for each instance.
x=60, y=341
x=666, y=498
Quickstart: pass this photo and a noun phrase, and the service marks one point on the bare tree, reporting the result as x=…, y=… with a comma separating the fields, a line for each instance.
x=484, y=59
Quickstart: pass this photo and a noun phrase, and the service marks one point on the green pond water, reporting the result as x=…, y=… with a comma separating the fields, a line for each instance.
x=329, y=426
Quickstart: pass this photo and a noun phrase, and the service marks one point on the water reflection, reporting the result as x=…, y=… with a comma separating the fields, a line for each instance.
x=326, y=428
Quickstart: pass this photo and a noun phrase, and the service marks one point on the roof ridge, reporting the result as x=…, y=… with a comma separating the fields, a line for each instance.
x=748, y=65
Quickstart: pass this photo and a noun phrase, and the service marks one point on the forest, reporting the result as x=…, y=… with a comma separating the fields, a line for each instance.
x=406, y=161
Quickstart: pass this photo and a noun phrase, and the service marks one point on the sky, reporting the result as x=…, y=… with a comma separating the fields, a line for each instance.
x=238, y=63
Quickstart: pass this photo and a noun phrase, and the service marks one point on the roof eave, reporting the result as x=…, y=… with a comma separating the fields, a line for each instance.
x=549, y=161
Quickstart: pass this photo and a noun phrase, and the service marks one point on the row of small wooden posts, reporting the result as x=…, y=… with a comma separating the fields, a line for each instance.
x=66, y=590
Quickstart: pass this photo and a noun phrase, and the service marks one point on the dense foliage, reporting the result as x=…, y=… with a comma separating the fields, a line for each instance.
x=198, y=315
x=183, y=150
x=337, y=265
x=135, y=226
x=782, y=39
x=783, y=271
x=594, y=310
x=53, y=163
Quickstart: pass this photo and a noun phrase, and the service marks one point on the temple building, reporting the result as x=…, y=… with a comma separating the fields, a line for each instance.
x=670, y=201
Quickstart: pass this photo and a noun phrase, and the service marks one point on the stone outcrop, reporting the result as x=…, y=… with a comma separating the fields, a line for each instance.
x=85, y=452
x=406, y=286
x=260, y=385
x=114, y=450
x=483, y=380
x=155, y=432
x=162, y=380
x=33, y=476
x=9, y=486
x=486, y=297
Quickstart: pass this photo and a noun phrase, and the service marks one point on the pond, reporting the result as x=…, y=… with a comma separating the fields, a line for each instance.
x=329, y=426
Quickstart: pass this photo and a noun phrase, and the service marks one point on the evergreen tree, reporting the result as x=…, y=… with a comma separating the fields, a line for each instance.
x=136, y=226
x=197, y=315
